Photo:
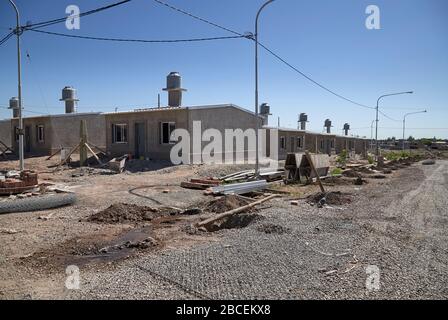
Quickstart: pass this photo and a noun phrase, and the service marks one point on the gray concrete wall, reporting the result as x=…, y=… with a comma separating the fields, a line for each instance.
x=291, y=146
x=320, y=143
x=65, y=130
x=151, y=120
x=32, y=145
x=5, y=132
x=222, y=118
x=61, y=131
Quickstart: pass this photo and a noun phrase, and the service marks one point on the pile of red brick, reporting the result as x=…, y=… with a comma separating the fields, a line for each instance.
x=27, y=180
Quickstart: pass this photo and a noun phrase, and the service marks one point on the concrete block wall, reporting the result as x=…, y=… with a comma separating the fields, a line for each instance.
x=5, y=132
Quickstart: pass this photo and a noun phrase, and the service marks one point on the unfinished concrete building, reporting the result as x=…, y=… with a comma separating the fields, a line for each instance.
x=148, y=133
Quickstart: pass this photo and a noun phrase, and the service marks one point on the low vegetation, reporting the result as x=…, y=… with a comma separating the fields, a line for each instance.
x=396, y=155
x=342, y=158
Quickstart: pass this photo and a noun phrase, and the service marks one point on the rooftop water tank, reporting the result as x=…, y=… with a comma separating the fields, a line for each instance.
x=173, y=86
x=303, y=117
x=174, y=80
x=265, y=109
x=68, y=93
x=14, y=103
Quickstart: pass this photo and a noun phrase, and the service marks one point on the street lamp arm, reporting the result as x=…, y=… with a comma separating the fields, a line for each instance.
x=408, y=114
x=377, y=118
x=392, y=94
x=257, y=124
x=258, y=14
x=17, y=11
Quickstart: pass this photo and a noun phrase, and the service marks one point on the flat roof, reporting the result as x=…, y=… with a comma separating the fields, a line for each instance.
x=310, y=132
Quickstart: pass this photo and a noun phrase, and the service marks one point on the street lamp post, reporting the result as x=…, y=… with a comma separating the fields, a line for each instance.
x=257, y=125
x=404, y=122
x=18, y=32
x=371, y=135
x=377, y=111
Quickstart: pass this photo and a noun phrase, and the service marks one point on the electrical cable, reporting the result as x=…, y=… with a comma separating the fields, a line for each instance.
x=83, y=14
x=136, y=40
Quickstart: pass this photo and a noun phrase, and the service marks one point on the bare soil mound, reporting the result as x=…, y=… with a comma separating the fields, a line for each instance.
x=331, y=198
x=226, y=203
x=123, y=212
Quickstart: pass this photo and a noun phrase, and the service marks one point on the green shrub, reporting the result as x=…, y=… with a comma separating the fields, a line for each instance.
x=342, y=158
x=336, y=171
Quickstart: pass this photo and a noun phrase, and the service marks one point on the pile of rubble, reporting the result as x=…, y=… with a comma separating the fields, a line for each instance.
x=14, y=182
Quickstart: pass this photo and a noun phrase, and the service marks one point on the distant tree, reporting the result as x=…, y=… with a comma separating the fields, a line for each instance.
x=426, y=142
x=411, y=139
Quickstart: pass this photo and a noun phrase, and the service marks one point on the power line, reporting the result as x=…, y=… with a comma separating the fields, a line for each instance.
x=25, y=110
x=83, y=14
x=390, y=118
x=313, y=81
x=6, y=38
x=135, y=40
x=198, y=18
x=268, y=50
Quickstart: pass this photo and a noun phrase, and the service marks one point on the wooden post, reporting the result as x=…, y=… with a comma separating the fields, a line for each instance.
x=313, y=168
x=82, y=145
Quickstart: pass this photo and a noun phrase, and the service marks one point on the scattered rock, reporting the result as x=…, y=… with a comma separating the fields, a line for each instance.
x=165, y=191
x=428, y=162
x=358, y=181
x=272, y=228
x=9, y=231
x=379, y=176
x=294, y=203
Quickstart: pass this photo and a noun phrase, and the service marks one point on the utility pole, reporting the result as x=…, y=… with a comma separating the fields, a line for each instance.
x=377, y=111
x=257, y=125
x=371, y=135
x=18, y=31
x=404, y=122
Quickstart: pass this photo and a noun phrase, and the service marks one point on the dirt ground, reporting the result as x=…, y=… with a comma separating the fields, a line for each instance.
x=120, y=218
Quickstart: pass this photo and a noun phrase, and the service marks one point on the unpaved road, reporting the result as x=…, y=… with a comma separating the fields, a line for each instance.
x=397, y=226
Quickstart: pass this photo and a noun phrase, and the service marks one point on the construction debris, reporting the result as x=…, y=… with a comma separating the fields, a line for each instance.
x=267, y=174
x=118, y=164
x=14, y=182
x=239, y=188
x=200, y=184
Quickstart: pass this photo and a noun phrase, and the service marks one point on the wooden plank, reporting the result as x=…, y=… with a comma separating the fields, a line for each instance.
x=313, y=168
x=197, y=186
x=206, y=181
x=234, y=211
x=54, y=153
x=94, y=154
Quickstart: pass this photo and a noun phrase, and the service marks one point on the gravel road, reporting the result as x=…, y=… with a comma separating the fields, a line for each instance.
x=397, y=227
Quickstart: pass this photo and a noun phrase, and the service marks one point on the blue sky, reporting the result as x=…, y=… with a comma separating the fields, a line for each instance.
x=325, y=39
